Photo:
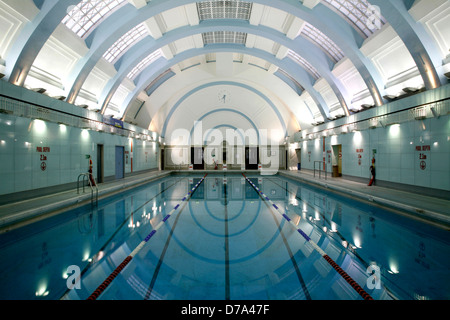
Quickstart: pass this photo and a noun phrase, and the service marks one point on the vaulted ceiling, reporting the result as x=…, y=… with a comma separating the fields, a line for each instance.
x=266, y=64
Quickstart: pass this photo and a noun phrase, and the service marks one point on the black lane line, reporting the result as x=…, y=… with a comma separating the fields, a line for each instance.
x=161, y=258
x=85, y=269
x=288, y=248
x=227, y=247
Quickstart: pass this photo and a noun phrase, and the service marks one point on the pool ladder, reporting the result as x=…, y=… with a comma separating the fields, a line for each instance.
x=321, y=165
x=93, y=187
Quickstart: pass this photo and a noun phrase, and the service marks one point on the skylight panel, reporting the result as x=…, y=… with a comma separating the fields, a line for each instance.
x=316, y=36
x=85, y=16
x=125, y=42
x=224, y=37
x=360, y=13
x=145, y=63
x=301, y=61
x=220, y=9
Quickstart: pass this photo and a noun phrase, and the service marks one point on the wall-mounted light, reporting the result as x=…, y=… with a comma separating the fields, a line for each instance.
x=410, y=90
x=394, y=129
x=39, y=90
x=434, y=112
x=390, y=97
x=85, y=134
x=393, y=124
x=62, y=127
x=39, y=125
x=367, y=106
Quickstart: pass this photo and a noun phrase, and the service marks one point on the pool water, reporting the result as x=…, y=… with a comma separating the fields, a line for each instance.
x=226, y=241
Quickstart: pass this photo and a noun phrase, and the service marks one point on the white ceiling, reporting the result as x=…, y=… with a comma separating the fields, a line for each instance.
x=281, y=71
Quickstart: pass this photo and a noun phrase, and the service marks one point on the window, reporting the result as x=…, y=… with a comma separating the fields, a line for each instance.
x=125, y=42
x=317, y=37
x=220, y=9
x=360, y=13
x=144, y=63
x=224, y=37
x=295, y=57
x=84, y=17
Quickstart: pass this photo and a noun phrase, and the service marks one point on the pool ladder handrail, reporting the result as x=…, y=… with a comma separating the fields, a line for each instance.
x=321, y=164
x=86, y=175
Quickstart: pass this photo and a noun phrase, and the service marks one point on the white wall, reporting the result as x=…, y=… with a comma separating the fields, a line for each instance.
x=397, y=159
x=65, y=158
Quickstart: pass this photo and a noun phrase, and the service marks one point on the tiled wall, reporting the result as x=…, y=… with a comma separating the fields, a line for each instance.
x=413, y=153
x=36, y=154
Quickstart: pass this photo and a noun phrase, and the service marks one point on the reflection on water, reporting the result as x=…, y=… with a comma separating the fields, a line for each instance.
x=226, y=242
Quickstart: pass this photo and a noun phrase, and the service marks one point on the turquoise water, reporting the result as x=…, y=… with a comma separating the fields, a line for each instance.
x=226, y=242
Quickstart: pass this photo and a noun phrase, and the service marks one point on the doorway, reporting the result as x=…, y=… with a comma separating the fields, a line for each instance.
x=287, y=160
x=120, y=162
x=298, y=153
x=162, y=159
x=100, y=160
x=337, y=160
x=197, y=158
x=251, y=158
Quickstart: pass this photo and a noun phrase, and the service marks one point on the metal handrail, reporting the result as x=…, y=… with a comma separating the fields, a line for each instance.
x=321, y=163
x=86, y=175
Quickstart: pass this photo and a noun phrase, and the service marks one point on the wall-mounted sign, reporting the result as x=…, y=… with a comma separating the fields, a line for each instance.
x=423, y=156
x=113, y=122
x=43, y=156
x=359, y=151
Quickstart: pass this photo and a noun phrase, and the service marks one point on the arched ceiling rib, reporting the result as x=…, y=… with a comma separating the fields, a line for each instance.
x=300, y=45
x=151, y=72
x=328, y=36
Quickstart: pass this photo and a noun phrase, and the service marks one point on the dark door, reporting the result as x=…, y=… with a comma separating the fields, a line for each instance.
x=298, y=153
x=120, y=163
x=162, y=159
x=251, y=158
x=100, y=159
x=286, y=160
x=197, y=158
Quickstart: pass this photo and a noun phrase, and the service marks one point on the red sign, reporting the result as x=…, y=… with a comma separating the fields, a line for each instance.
x=423, y=156
x=423, y=148
x=43, y=157
x=423, y=165
x=42, y=149
x=359, y=155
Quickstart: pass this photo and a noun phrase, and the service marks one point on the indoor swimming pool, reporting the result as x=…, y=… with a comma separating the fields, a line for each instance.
x=226, y=237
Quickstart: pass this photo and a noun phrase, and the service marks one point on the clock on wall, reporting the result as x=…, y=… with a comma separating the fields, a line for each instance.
x=224, y=96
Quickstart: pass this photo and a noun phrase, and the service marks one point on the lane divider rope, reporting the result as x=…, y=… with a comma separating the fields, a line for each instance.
x=335, y=266
x=125, y=262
